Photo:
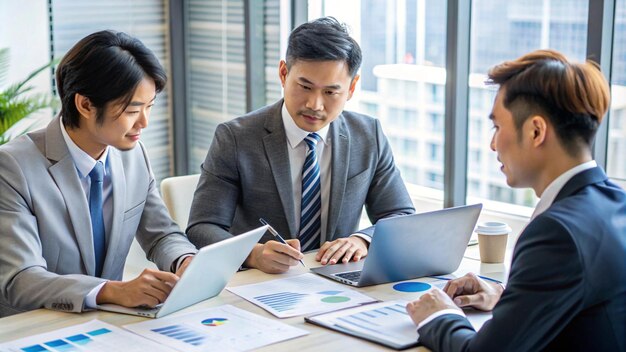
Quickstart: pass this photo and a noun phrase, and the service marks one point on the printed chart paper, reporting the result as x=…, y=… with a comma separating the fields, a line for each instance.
x=93, y=336
x=386, y=323
x=223, y=328
x=302, y=294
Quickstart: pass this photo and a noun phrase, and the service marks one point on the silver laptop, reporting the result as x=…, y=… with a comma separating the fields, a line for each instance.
x=410, y=246
x=205, y=277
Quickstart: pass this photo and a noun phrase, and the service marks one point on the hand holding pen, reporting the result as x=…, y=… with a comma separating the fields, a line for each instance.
x=276, y=235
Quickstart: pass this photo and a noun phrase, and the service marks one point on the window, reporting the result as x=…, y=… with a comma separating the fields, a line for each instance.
x=71, y=20
x=504, y=30
x=402, y=75
x=216, y=68
x=616, y=162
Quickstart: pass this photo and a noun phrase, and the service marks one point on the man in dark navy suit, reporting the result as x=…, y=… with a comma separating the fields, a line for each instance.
x=567, y=285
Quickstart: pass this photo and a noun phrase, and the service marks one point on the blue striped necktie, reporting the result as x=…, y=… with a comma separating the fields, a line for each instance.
x=311, y=206
x=97, y=220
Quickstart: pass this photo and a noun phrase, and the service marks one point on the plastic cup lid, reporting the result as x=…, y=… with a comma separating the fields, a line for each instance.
x=493, y=228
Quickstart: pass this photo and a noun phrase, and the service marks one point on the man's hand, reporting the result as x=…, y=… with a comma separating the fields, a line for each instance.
x=150, y=288
x=472, y=291
x=274, y=257
x=183, y=266
x=429, y=303
x=344, y=249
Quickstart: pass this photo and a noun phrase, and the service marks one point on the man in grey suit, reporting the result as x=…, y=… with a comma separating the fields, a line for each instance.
x=74, y=194
x=303, y=164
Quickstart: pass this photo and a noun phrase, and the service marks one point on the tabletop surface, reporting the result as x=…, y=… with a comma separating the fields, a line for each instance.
x=318, y=339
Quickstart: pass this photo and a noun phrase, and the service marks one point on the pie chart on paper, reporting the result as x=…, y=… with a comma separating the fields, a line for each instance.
x=214, y=321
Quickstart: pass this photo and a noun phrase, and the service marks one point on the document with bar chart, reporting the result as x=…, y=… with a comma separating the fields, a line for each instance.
x=386, y=323
x=92, y=336
x=299, y=295
x=223, y=328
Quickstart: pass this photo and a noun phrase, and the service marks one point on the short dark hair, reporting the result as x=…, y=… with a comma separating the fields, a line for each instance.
x=573, y=96
x=105, y=66
x=324, y=39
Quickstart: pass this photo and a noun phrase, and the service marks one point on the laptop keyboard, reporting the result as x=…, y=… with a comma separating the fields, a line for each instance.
x=350, y=275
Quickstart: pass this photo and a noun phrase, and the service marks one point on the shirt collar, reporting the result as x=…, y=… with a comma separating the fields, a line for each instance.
x=295, y=135
x=553, y=189
x=84, y=162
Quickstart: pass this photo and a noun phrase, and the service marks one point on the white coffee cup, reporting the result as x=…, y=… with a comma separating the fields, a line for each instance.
x=492, y=238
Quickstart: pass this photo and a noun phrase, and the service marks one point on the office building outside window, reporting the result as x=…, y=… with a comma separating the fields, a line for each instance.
x=402, y=78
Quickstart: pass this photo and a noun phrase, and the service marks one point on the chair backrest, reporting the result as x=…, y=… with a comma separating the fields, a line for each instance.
x=177, y=193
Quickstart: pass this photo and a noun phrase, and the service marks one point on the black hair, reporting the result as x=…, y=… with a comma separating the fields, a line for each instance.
x=104, y=67
x=324, y=39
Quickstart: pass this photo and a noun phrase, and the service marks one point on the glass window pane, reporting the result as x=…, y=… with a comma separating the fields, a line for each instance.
x=616, y=162
x=504, y=30
x=402, y=79
x=71, y=20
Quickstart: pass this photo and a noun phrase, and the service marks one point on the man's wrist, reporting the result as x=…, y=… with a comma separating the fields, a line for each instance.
x=366, y=239
x=250, y=261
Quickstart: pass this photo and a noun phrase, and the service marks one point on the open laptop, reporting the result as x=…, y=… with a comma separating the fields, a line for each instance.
x=205, y=277
x=410, y=246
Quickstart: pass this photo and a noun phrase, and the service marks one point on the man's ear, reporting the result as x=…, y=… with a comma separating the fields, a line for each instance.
x=282, y=72
x=538, y=130
x=84, y=106
x=353, y=86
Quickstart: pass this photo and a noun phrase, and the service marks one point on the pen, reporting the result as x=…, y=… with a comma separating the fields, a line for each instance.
x=480, y=276
x=278, y=236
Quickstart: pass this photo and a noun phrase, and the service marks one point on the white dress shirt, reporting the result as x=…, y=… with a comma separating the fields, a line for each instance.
x=555, y=187
x=297, y=149
x=84, y=164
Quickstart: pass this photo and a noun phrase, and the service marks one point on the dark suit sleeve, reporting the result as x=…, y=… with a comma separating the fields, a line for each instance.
x=215, y=200
x=543, y=294
x=387, y=195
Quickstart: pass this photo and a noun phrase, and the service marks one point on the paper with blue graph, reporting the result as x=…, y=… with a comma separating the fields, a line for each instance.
x=92, y=336
x=299, y=295
x=223, y=328
x=386, y=323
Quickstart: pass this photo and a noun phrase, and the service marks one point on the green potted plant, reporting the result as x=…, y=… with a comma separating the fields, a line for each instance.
x=14, y=104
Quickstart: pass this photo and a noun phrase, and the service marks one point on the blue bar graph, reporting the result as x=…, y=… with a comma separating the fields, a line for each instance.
x=79, y=339
x=181, y=333
x=281, y=301
x=60, y=345
x=371, y=319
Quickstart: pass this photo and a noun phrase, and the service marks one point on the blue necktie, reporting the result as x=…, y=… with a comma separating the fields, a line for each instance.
x=97, y=220
x=311, y=209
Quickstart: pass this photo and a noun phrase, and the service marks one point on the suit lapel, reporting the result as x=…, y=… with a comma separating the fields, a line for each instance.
x=275, y=143
x=118, y=180
x=64, y=173
x=587, y=177
x=339, y=173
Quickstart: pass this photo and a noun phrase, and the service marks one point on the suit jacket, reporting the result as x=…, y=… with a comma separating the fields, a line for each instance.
x=246, y=175
x=567, y=286
x=47, y=256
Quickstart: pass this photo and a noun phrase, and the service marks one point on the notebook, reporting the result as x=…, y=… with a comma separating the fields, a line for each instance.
x=410, y=246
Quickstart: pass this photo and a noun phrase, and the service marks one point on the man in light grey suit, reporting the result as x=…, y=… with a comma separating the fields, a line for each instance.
x=73, y=195
x=303, y=164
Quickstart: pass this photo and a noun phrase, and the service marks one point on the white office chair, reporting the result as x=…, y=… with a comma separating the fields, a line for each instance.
x=177, y=193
